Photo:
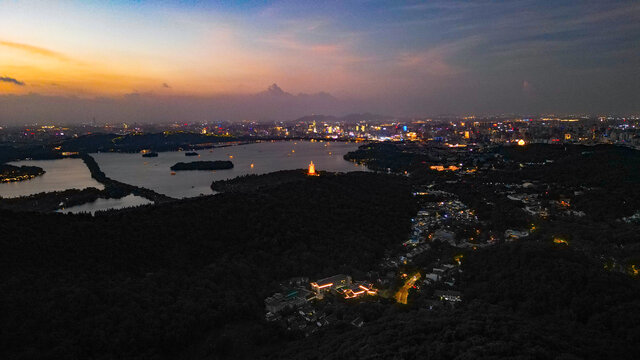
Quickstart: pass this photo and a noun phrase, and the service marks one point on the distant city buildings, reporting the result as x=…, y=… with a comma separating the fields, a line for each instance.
x=449, y=131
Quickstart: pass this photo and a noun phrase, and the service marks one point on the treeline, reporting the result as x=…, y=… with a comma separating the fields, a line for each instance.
x=606, y=166
x=168, y=141
x=248, y=183
x=383, y=157
x=612, y=174
x=31, y=151
x=187, y=278
x=52, y=201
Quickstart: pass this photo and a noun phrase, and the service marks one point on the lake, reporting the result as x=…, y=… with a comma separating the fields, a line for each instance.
x=61, y=174
x=266, y=157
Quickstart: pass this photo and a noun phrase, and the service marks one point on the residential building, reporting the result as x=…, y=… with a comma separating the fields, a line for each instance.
x=448, y=295
x=332, y=283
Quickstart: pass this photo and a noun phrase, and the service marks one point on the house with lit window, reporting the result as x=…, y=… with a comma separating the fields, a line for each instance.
x=332, y=283
x=448, y=295
x=358, y=289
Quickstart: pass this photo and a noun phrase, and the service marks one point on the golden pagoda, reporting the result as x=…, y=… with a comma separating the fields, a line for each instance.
x=312, y=170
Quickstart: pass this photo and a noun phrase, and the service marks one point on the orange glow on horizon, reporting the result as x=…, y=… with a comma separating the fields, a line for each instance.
x=90, y=71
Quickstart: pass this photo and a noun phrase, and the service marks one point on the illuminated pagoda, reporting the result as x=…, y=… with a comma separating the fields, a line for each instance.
x=312, y=170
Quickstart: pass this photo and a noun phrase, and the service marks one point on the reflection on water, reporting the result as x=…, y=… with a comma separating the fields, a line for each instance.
x=61, y=174
x=105, y=204
x=259, y=158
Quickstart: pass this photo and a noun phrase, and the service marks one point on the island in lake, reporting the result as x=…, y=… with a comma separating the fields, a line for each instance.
x=10, y=173
x=203, y=165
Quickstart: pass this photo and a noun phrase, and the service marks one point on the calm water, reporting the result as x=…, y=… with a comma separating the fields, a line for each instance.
x=154, y=173
x=62, y=174
x=105, y=204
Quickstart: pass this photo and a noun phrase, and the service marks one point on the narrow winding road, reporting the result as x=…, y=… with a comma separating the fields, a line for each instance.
x=402, y=294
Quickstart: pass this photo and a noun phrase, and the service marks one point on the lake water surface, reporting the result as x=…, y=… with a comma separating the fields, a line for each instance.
x=155, y=173
x=61, y=174
x=266, y=157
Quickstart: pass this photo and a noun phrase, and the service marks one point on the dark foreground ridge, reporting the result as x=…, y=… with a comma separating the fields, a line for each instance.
x=524, y=301
x=185, y=279
x=191, y=278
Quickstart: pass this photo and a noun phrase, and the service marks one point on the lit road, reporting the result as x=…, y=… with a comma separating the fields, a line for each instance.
x=402, y=294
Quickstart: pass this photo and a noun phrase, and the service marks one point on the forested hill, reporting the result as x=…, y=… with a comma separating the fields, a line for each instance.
x=185, y=279
x=521, y=301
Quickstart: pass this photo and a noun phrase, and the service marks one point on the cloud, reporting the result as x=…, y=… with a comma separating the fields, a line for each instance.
x=439, y=6
x=325, y=49
x=431, y=62
x=437, y=60
x=35, y=50
x=11, y=80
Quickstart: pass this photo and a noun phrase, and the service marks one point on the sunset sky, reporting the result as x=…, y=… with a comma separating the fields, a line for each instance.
x=407, y=58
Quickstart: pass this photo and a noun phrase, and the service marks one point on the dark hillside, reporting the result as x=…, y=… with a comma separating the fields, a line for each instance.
x=524, y=301
x=184, y=278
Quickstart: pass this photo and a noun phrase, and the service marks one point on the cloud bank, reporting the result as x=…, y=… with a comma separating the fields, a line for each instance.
x=274, y=104
x=11, y=80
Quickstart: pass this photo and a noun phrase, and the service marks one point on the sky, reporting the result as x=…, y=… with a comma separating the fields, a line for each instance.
x=214, y=60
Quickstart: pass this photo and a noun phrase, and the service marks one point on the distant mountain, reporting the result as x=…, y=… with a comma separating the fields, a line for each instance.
x=277, y=103
x=274, y=90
